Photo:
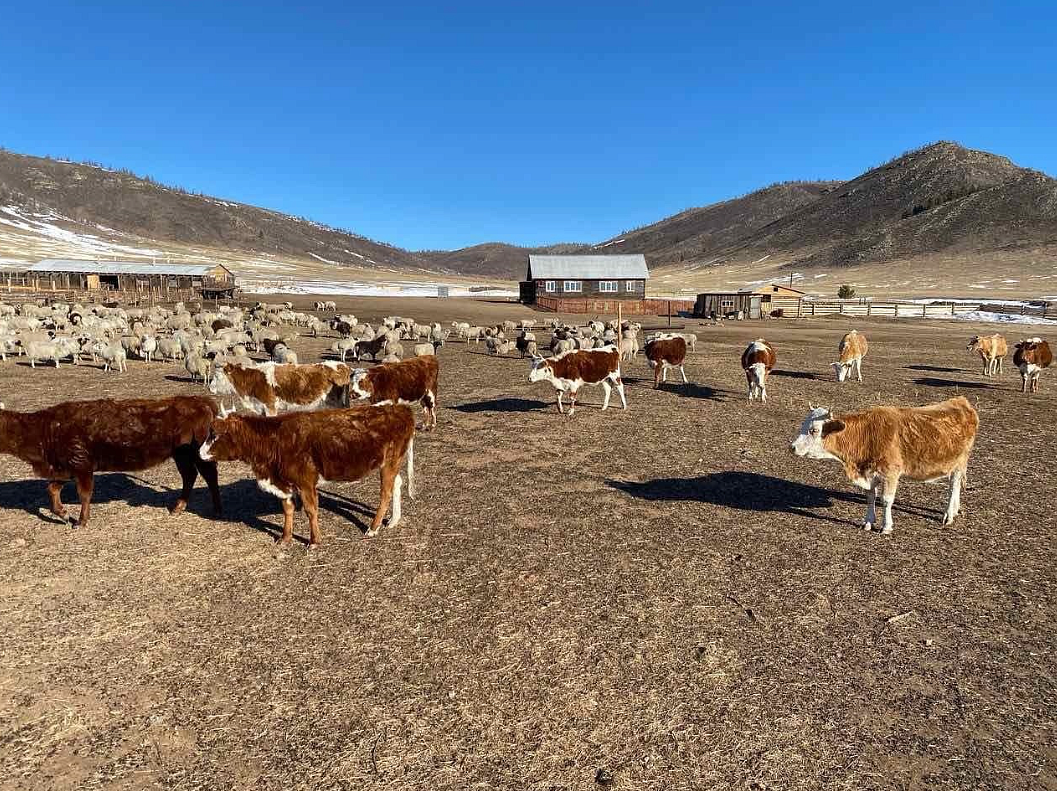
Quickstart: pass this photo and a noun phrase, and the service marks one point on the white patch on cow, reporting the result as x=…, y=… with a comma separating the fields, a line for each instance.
x=1034, y=340
x=333, y=364
x=267, y=486
x=268, y=369
x=1032, y=368
x=758, y=345
x=203, y=452
x=808, y=443
x=354, y=385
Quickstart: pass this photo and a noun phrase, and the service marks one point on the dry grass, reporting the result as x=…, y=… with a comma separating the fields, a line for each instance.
x=663, y=597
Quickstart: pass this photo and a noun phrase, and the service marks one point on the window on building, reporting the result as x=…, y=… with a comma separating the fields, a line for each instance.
x=572, y=285
x=549, y=286
x=726, y=302
x=608, y=285
x=629, y=285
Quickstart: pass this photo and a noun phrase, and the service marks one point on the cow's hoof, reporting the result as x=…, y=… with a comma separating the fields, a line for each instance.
x=178, y=508
x=867, y=526
x=886, y=531
x=370, y=534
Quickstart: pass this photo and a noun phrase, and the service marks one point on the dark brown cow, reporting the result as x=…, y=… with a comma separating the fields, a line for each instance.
x=664, y=352
x=400, y=383
x=1031, y=356
x=76, y=439
x=757, y=361
x=270, y=388
x=296, y=451
x=569, y=371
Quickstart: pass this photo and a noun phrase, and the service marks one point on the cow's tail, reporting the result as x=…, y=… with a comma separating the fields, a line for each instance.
x=411, y=467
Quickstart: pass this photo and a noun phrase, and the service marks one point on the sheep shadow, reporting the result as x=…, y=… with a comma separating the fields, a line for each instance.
x=932, y=381
x=748, y=491
x=937, y=368
x=502, y=405
x=796, y=374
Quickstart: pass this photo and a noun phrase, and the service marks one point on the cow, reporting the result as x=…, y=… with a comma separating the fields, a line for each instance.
x=879, y=446
x=664, y=352
x=292, y=453
x=1031, y=356
x=852, y=349
x=571, y=370
x=757, y=361
x=992, y=350
x=403, y=382
x=270, y=388
x=76, y=439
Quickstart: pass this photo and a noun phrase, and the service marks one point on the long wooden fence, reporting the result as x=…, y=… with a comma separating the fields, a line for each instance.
x=807, y=308
x=628, y=307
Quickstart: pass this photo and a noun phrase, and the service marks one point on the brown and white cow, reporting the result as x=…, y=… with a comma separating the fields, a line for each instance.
x=992, y=350
x=297, y=451
x=664, y=352
x=77, y=439
x=405, y=382
x=757, y=361
x=571, y=370
x=852, y=349
x=881, y=445
x=1031, y=357
x=270, y=388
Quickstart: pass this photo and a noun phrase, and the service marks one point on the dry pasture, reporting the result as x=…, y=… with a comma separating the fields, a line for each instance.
x=662, y=598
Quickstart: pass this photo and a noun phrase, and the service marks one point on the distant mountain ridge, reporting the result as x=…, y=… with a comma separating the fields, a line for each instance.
x=941, y=199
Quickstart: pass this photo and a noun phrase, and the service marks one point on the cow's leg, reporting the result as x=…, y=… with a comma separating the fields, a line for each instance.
x=620, y=391
x=411, y=468
x=871, y=506
x=398, y=486
x=858, y=369
x=1023, y=382
x=560, y=407
x=85, y=484
x=664, y=372
x=388, y=475
x=208, y=471
x=606, y=389
x=890, y=486
x=288, y=520
x=1000, y=366
x=954, y=502
x=310, y=500
x=683, y=372
x=763, y=389
x=184, y=456
x=656, y=376
x=572, y=402
x=57, y=508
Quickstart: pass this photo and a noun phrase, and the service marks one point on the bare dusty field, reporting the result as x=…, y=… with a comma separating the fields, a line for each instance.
x=662, y=598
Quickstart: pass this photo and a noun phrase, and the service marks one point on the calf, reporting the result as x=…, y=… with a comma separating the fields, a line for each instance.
x=852, y=349
x=992, y=350
x=402, y=382
x=664, y=352
x=76, y=439
x=295, y=452
x=879, y=446
x=269, y=388
x=1031, y=356
x=757, y=361
x=571, y=370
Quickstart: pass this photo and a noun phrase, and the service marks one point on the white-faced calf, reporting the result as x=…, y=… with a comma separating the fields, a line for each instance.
x=852, y=349
x=757, y=361
x=571, y=370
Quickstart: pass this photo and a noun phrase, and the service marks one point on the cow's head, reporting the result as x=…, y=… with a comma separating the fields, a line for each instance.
x=818, y=425
x=973, y=341
x=219, y=445
x=842, y=370
x=540, y=370
x=359, y=384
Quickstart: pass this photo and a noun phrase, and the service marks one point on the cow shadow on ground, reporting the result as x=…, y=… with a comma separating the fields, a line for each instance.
x=937, y=368
x=245, y=503
x=695, y=390
x=502, y=405
x=795, y=374
x=932, y=381
x=749, y=491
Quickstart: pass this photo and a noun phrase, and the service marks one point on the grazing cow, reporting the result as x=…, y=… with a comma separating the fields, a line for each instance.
x=992, y=350
x=1031, y=356
x=571, y=370
x=403, y=382
x=757, y=361
x=295, y=452
x=76, y=439
x=664, y=352
x=879, y=446
x=852, y=349
x=270, y=388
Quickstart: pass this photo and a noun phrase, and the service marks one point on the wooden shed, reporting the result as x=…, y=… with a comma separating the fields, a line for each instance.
x=60, y=274
x=752, y=303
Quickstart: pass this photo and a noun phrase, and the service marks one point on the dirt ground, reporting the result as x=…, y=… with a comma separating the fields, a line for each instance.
x=662, y=598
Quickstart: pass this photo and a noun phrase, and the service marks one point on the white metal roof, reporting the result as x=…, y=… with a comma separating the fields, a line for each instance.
x=121, y=267
x=588, y=267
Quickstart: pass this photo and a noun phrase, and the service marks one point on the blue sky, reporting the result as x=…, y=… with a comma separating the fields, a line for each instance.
x=438, y=127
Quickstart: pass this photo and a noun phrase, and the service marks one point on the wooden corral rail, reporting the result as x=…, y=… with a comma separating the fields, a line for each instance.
x=806, y=308
x=1046, y=310
x=98, y=296
x=628, y=307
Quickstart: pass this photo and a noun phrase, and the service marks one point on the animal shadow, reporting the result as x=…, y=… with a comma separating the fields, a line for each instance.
x=502, y=405
x=694, y=390
x=795, y=374
x=252, y=506
x=938, y=368
x=932, y=381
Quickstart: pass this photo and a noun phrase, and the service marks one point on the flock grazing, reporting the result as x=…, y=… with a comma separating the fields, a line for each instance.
x=337, y=420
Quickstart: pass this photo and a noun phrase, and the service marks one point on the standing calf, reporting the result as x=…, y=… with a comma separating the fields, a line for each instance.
x=403, y=382
x=569, y=371
x=664, y=352
x=879, y=446
x=294, y=452
x=852, y=349
x=757, y=361
x=992, y=350
x=1031, y=356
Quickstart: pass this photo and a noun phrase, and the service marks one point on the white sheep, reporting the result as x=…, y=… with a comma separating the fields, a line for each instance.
x=113, y=355
x=424, y=350
x=41, y=351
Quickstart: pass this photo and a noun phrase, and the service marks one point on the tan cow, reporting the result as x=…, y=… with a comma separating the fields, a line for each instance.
x=992, y=350
x=852, y=349
x=879, y=446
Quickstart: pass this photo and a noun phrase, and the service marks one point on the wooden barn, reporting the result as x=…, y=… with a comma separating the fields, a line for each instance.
x=753, y=303
x=65, y=274
x=605, y=277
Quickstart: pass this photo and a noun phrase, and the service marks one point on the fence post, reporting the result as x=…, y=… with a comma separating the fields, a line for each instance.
x=897, y=310
x=868, y=306
x=952, y=308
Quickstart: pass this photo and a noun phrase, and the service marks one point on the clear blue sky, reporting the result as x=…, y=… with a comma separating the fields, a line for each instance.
x=522, y=122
